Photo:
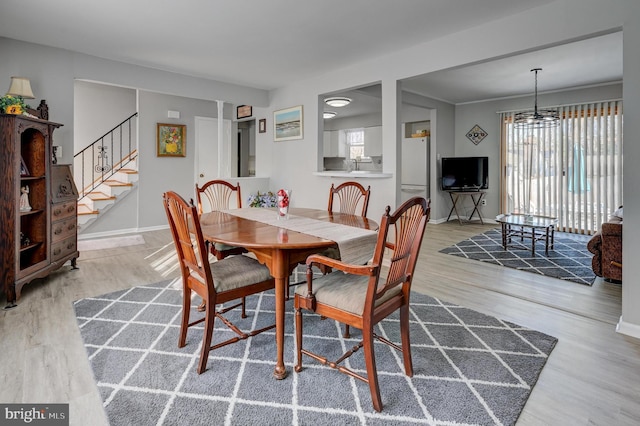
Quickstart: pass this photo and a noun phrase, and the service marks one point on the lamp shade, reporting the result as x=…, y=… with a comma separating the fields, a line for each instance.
x=21, y=86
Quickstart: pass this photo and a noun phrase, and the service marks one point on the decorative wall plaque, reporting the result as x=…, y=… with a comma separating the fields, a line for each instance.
x=244, y=111
x=476, y=134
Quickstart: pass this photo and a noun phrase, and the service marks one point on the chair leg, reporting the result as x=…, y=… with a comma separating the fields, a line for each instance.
x=244, y=311
x=406, y=341
x=286, y=286
x=372, y=371
x=298, y=366
x=346, y=334
x=186, y=311
x=210, y=317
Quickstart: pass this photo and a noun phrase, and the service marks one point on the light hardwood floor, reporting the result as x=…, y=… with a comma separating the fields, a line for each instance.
x=591, y=378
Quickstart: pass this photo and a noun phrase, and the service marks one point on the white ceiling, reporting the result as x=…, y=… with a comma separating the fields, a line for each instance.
x=594, y=61
x=270, y=43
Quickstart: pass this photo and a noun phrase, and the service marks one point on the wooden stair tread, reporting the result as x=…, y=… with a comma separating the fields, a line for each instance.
x=116, y=183
x=99, y=196
x=83, y=209
x=129, y=171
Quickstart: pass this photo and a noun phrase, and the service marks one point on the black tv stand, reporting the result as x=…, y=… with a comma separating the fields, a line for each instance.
x=476, y=203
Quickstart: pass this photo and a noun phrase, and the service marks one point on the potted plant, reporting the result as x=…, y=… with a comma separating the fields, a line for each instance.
x=12, y=105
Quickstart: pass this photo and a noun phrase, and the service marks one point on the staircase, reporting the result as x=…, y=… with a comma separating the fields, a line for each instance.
x=103, y=183
x=106, y=194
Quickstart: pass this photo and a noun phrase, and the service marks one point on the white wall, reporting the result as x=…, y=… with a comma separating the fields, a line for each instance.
x=97, y=109
x=630, y=320
x=52, y=73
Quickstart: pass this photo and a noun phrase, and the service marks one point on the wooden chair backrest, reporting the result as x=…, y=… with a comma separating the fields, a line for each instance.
x=187, y=235
x=405, y=227
x=217, y=195
x=351, y=198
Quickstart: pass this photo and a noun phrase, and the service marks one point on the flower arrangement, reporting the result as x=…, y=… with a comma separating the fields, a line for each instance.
x=264, y=199
x=12, y=105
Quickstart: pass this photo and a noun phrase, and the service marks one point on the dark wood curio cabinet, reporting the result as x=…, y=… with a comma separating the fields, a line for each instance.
x=35, y=240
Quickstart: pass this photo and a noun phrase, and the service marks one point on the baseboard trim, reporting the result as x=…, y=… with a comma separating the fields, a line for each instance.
x=628, y=329
x=120, y=232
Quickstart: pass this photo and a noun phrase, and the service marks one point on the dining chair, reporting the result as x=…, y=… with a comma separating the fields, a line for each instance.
x=349, y=198
x=363, y=295
x=222, y=281
x=217, y=195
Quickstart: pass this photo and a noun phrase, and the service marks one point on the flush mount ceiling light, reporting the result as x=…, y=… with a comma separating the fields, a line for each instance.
x=537, y=118
x=328, y=114
x=337, y=101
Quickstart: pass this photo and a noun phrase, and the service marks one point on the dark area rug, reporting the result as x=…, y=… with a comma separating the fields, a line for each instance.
x=469, y=368
x=569, y=260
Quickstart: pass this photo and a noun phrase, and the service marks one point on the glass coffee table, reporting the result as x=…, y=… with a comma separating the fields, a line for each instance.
x=528, y=226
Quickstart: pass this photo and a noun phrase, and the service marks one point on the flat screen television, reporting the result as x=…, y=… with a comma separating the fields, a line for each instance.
x=465, y=173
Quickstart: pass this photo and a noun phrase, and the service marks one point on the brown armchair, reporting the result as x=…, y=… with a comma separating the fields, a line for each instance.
x=606, y=246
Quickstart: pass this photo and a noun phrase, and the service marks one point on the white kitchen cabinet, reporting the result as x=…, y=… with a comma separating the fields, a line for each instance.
x=373, y=141
x=326, y=143
x=332, y=146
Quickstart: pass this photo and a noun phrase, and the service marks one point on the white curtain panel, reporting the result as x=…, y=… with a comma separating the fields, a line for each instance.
x=572, y=171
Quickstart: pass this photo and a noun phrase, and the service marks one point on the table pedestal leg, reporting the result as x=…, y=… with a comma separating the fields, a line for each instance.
x=279, y=271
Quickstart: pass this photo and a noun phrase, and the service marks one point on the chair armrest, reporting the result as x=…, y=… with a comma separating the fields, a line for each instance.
x=611, y=229
x=309, y=301
x=595, y=244
x=318, y=259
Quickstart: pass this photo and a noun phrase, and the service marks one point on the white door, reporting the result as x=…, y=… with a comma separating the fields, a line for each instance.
x=207, y=160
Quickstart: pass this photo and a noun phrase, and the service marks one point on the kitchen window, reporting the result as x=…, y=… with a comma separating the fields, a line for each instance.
x=355, y=144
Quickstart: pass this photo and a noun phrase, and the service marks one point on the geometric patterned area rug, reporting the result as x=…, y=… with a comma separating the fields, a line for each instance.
x=569, y=260
x=469, y=368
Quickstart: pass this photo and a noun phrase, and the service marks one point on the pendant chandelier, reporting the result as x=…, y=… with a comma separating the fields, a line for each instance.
x=538, y=117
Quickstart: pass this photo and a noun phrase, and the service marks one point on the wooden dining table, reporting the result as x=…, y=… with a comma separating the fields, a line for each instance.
x=279, y=249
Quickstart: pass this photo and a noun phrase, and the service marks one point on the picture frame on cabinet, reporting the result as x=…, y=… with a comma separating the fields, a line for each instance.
x=262, y=125
x=24, y=171
x=171, y=140
x=288, y=124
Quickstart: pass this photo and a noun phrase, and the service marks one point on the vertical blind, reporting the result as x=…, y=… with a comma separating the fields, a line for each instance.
x=572, y=171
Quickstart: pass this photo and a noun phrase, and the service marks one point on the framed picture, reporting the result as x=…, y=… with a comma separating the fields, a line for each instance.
x=288, y=124
x=262, y=125
x=23, y=168
x=172, y=140
x=244, y=111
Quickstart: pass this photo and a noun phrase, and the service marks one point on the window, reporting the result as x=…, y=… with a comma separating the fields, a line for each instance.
x=355, y=144
x=572, y=171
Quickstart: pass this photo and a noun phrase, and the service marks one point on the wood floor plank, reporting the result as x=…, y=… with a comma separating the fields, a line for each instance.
x=591, y=378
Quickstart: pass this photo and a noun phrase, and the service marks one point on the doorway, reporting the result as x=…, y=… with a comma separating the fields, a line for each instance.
x=212, y=160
